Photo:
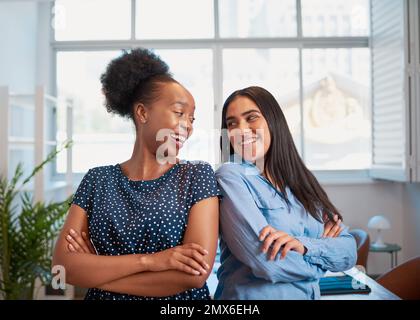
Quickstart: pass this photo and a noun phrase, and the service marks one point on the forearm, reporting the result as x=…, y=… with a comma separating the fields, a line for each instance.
x=155, y=284
x=241, y=237
x=89, y=270
x=290, y=269
x=333, y=254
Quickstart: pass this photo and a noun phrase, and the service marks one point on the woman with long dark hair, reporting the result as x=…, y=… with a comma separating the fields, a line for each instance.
x=279, y=231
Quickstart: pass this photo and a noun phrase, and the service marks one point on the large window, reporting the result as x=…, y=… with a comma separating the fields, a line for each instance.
x=312, y=55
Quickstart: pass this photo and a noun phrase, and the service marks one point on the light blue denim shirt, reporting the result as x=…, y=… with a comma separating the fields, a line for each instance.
x=250, y=203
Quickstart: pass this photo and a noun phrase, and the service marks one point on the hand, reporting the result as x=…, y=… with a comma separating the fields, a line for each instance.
x=188, y=258
x=278, y=239
x=332, y=229
x=79, y=243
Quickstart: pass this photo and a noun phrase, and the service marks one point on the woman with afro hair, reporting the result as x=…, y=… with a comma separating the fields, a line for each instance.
x=146, y=228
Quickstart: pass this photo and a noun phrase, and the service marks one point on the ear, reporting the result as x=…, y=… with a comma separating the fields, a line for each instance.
x=140, y=113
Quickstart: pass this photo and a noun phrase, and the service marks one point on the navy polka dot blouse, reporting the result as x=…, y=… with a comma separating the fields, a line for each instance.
x=144, y=216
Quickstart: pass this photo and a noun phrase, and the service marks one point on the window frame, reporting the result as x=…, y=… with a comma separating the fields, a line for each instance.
x=217, y=44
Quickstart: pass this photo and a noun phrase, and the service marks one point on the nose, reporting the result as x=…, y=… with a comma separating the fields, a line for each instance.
x=240, y=132
x=244, y=127
x=186, y=126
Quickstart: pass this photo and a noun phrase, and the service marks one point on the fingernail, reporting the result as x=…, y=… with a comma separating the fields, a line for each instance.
x=207, y=266
x=197, y=272
x=71, y=246
x=206, y=251
x=72, y=231
x=69, y=237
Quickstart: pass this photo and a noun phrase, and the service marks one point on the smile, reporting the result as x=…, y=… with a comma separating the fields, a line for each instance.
x=178, y=137
x=248, y=141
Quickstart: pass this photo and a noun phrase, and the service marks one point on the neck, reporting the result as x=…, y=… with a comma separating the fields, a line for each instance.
x=143, y=164
x=259, y=163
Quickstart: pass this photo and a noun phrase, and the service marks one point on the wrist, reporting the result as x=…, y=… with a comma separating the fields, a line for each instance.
x=143, y=262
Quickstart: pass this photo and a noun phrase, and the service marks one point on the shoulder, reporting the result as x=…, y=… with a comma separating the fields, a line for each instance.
x=101, y=172
x=231, y=169
x=196, y=167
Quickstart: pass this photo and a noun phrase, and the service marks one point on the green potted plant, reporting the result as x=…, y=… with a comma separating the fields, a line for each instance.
x=27, y=234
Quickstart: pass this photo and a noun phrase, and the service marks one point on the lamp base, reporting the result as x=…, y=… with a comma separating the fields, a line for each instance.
x=378, y=245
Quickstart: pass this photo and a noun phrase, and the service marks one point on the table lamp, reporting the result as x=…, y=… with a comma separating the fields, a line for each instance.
x=378, y=223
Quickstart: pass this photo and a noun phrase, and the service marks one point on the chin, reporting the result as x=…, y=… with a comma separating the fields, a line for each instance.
x=167, y=155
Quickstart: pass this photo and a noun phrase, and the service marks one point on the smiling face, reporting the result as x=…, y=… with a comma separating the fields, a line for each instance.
x=248, y=130
x=166, y=123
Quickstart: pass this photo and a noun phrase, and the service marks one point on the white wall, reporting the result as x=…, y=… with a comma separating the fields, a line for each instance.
x=400, y=203
x=18, y=43
x=25, y=53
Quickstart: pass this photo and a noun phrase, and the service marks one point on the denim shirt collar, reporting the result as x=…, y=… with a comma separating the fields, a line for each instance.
x=250, y=167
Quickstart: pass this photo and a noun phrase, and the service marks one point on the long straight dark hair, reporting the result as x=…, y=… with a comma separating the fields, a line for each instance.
x=282, y=162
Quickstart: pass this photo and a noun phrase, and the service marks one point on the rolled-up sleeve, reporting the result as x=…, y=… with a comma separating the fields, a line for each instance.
x=333, y=254
x=241, y=222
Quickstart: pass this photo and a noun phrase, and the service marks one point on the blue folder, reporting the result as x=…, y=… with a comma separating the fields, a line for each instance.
x=342, y=285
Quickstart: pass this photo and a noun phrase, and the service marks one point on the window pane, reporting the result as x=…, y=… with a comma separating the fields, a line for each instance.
x=276, y=70
x=22, y=117
x=181, y=19
x=99, y=137
x=92, y=19
x=196, y=74
x=250, y=18
x=337, y=108
x=322, y=18
x=25, y=156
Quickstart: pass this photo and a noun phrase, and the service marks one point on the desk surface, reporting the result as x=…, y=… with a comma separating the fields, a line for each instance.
x=378, y=292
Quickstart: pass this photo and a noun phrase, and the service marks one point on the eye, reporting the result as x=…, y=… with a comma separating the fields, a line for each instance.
x=179, y=114
x=192, y=119
x=252, y=117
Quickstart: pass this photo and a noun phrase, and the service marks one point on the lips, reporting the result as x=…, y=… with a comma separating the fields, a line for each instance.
x=247, y=141
x=179, y=139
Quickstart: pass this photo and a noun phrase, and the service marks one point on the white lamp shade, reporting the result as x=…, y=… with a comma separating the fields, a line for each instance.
x=379, y=223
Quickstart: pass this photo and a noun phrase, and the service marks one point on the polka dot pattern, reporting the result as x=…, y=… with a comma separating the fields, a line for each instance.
x=144, y=216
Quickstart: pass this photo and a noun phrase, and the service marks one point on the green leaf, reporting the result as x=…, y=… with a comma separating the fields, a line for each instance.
x=27, y=234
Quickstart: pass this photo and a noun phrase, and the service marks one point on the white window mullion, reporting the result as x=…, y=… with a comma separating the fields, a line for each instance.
x=301, y=93
x=39, y=135
x=4, y=131
x=133, y=20
x=217, y=76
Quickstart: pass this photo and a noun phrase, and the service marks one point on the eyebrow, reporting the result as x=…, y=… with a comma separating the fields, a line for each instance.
x=244, y=114
x=183, y=104
x=180, y=102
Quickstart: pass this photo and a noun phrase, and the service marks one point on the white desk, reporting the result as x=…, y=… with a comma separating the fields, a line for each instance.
x=378, y=292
